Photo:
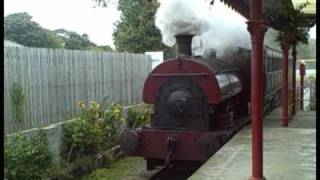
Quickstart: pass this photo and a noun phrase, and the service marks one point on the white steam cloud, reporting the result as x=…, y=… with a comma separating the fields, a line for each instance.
x=176, y=17
x=217, y=27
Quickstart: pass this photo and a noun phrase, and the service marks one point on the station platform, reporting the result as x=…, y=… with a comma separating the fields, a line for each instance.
x=289, y=153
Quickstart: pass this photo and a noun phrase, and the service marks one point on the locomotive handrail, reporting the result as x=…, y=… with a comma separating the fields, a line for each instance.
x=274, y=72
x=227, y=70
x=182, y=74
x=272, y=92
x=273, y=49
x=228, y=92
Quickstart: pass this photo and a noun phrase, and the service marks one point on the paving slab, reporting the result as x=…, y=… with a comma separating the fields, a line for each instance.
x=289, y=153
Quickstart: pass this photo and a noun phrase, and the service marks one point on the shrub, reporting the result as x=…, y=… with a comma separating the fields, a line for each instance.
x=113, y=118
x=138, y=117
x=17, y=101
x=95, y=129
x=27, y=158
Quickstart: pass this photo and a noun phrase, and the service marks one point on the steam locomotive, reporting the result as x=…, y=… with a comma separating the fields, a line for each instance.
x=199, y=104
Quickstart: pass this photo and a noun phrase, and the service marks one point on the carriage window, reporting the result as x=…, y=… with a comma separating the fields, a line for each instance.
x=222, y=80
x=233, y=78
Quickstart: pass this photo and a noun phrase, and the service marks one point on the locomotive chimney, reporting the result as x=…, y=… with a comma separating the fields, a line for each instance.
x=184, y=45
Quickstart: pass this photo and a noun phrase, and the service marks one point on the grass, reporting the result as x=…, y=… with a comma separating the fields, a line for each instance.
x=127, y=168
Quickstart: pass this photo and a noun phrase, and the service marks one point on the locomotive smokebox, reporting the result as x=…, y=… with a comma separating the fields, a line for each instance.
x=184, y=44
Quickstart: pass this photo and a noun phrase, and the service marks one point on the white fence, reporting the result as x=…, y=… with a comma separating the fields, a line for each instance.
x=54, y=80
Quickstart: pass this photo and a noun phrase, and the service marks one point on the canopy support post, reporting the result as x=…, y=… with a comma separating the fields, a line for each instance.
x=294, y=57
x=257, y=27
x=285, y=93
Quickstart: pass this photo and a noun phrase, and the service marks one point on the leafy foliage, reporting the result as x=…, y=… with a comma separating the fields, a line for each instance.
x=101, y=3
x=290, y=20
x=101, y=48
x=136, y=31
x=72, y=40
x=27, y=158
x=307, y=51
x=304, y=51
x=18, y=101
x=95, y=129
x=138, y=117
x=19, y=27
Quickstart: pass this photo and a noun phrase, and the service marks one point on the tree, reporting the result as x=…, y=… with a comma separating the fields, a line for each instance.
x=19, y=27
x=100, y=48
x=294, y=21
x=270, y=38
x=73, y=40
x=307, y=51
x=105, y=48
x=136, y=31
x=290, y=20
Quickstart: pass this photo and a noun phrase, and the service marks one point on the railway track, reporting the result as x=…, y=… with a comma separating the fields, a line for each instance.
x=174, y=172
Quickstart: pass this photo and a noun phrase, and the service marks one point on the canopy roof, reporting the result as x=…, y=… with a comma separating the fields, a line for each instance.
x=240, y=6
x=243, y=6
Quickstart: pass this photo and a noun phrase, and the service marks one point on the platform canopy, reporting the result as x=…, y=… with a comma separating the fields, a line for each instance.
x=243, y=6
x=240, y=6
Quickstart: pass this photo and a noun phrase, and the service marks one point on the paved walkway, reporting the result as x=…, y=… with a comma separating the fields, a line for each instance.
x=289, y=153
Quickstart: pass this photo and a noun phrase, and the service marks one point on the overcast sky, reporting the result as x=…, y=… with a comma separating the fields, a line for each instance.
x=74, y=15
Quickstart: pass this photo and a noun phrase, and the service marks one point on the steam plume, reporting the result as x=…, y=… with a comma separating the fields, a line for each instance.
x=218, y=28
x=176, y=17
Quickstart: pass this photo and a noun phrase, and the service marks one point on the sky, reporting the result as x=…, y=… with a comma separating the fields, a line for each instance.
x=75, y=15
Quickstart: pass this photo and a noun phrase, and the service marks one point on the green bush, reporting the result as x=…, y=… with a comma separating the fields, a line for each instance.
x=27, y=158
x=94, y=130
x=17, y=101
x=138, y=117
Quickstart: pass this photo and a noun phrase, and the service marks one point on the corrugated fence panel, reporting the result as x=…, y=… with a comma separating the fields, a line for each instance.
x=55, y=80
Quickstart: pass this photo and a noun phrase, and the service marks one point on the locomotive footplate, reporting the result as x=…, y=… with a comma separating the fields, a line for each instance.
x=166, y=146
x=175, y=145
x=188, y=145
